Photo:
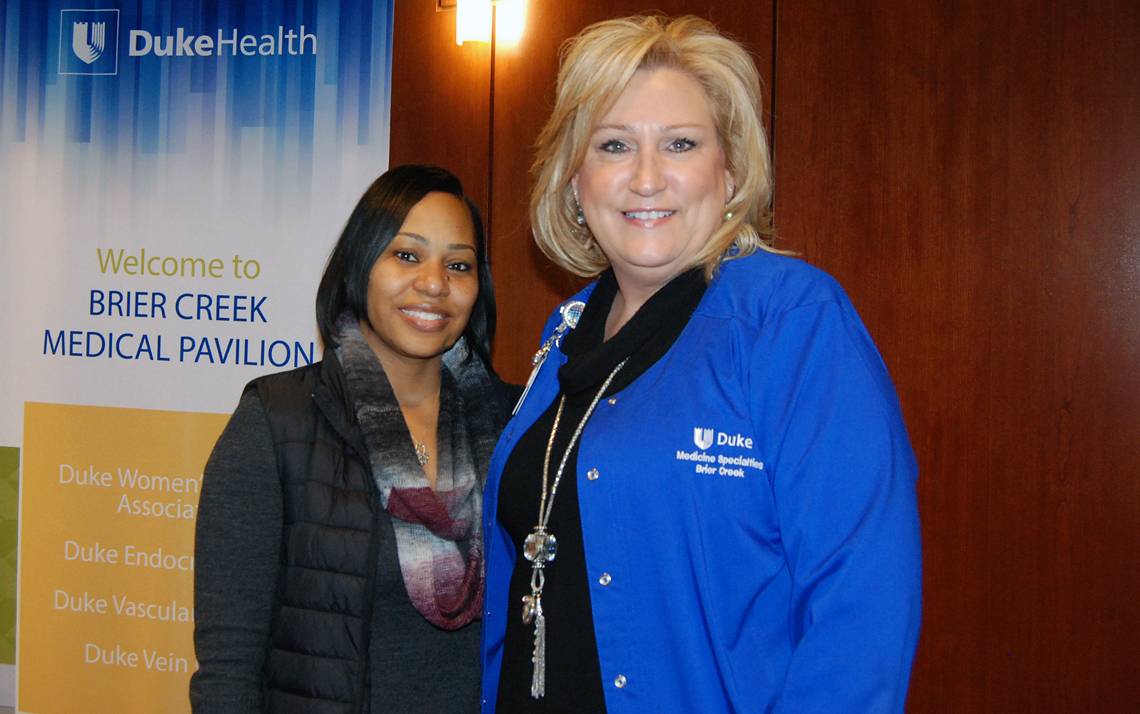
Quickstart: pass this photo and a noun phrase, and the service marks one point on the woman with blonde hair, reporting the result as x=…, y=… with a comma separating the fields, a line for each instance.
x=705, y=500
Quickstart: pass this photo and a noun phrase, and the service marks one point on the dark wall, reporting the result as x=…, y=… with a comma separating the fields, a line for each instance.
x=970, y=171
x=441, y=97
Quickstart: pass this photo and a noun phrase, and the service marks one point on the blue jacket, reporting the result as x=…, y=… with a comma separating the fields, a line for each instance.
x=750, y=500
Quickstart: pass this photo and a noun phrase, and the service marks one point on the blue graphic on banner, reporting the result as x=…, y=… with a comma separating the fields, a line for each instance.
x=194, y=78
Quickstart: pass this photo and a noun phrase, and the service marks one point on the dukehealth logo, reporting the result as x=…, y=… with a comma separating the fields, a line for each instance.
x=89, y=42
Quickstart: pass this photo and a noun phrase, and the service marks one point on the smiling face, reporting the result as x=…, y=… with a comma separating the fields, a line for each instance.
x=423, y=286
x=654, y=182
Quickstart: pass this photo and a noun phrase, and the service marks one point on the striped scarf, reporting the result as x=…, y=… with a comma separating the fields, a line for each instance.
x=439, y=535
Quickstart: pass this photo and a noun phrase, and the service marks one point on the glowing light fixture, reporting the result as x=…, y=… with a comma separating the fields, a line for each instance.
x=474, y=20
x=510, y=21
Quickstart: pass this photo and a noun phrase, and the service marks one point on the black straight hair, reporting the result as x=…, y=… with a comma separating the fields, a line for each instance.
x=373, y=224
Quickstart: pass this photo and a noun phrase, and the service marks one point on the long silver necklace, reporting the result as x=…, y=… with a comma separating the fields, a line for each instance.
x=541, y=546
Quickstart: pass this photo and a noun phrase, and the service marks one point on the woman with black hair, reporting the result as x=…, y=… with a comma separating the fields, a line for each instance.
x=339, y=552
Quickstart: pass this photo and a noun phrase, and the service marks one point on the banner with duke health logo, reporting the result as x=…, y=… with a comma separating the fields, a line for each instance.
x=172, y=177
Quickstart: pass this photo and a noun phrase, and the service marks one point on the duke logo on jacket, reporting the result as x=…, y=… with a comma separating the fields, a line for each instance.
x=703, y=438
x=719, y=464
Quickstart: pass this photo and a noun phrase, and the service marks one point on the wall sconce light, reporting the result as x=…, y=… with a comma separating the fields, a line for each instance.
x=474, y=20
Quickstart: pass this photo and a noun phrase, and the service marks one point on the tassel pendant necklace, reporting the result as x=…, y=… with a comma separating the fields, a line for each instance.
x=540, y=546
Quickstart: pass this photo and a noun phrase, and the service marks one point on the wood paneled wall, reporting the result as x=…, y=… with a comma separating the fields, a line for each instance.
x=441, y=98
x=970, y=171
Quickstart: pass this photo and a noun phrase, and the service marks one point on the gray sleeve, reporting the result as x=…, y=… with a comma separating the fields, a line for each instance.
x=237, y=543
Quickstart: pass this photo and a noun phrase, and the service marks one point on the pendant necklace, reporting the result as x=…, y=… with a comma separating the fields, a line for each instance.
x=422, y=454
x=541, y=546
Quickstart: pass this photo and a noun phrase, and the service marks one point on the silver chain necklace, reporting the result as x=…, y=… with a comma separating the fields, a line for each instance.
x=541, y=546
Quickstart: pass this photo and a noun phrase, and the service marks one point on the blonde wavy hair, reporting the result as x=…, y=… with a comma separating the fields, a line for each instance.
x=596, y=65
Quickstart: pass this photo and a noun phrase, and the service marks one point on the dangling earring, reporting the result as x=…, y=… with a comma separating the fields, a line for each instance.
x=580, y=217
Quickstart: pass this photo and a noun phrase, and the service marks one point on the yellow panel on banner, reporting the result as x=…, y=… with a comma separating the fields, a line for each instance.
x=107, y=557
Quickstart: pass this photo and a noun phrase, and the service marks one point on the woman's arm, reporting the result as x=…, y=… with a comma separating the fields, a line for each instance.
x=843, y=477
x=237, y=542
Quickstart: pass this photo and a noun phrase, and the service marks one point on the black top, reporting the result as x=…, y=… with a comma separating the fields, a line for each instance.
x=573, y=674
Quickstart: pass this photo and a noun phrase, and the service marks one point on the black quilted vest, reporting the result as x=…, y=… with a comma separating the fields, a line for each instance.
x=318, y=654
